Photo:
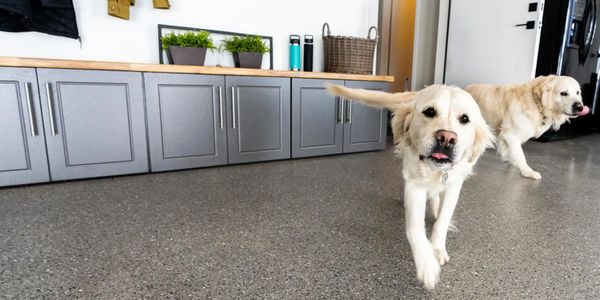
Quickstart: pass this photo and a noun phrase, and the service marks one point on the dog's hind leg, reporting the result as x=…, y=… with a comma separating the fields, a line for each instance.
x=517, y=157
x=434, y=205
x=502, y=149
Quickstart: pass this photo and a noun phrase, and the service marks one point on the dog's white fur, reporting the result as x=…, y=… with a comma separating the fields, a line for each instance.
x=520, y=112
x=414, y=135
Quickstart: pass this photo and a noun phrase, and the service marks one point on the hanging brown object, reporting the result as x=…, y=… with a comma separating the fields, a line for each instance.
x=120, y=8
x=162, y=4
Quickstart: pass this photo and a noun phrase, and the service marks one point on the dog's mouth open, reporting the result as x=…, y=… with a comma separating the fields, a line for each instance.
x=439, y=156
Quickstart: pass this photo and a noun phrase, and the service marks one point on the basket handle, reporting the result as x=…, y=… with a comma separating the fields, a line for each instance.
x=369, y=33
x=328, y=32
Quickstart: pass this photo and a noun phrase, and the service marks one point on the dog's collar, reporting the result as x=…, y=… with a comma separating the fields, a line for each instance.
x=540, y=107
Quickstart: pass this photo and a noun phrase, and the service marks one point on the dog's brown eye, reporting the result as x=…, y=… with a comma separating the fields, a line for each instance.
x=429, y=112
x=564, y=94
x=464, y=119
x=578, y=93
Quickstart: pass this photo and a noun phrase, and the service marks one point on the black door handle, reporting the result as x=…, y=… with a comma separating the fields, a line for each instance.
x=528, y=25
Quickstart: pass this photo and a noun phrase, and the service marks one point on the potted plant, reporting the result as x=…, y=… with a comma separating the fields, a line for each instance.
x=247, y=51
x=188, y=48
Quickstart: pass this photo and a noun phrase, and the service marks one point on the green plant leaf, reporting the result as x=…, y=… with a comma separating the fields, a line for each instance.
x=237, y=44
x=199, y=39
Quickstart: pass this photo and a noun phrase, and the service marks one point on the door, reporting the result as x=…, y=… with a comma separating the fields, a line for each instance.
x=365, y=127
x=317, y=127
x=491, y=41
x=186, y=120
x=23, y=148
x=258, y=118
x=581, y=53
x=94, y=123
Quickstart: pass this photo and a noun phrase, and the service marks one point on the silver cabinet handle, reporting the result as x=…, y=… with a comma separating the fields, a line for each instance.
x=29, y=108
x=50, y=109
x=349, y=112
x=337, y=110
x=342, y=102
x=233, y=106
x=220, y=107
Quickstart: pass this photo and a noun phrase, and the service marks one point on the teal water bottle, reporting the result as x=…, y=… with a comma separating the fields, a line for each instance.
x=294, y=52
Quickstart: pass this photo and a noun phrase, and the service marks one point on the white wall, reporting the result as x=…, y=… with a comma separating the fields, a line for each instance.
x=425, y=44
x=108, y=38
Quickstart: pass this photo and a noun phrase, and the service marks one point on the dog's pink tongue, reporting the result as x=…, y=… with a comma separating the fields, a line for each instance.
x=584, y=112
x=439, y=156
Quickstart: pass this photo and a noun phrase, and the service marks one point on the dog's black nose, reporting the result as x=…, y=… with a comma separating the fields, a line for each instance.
x=577, y=107
x=446, y=138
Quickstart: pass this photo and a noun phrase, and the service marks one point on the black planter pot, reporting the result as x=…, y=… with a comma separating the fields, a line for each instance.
x=250, y=60
x=186, y=55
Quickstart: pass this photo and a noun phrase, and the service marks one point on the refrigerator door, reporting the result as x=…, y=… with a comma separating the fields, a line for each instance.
x=580, y=58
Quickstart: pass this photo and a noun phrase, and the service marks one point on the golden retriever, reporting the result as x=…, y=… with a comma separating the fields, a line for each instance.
x=520, y=112
x=440, y=133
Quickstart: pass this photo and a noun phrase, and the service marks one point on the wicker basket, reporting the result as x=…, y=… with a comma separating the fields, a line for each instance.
x=346, y=54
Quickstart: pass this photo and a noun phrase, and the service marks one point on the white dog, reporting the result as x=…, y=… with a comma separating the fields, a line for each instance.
x=519, y=112
x=440, y=134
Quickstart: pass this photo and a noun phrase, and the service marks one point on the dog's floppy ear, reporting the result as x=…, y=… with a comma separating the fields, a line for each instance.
x=542, y=88
x=483, y=139
x=542, y=83
x=400, y=124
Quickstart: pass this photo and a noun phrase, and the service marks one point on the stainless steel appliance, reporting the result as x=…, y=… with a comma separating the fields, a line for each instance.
x=570, y=45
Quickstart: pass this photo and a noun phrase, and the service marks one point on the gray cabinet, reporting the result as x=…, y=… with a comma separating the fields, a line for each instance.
x=59, y=124
x=365, y=127
x=323, y=124
x=94, y=123
x=23, y=151
x=186, y=120
x=317, y=125
x=258, y=118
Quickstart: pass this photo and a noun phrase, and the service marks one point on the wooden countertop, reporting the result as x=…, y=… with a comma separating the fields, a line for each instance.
x=141, y=67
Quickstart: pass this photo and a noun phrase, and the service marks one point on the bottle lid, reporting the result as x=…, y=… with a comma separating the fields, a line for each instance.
x=308, y=38
x=294, y=38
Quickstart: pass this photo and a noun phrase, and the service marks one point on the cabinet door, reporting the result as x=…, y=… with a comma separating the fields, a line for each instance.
x=94, y=123
x=317, y=127
x=365, y=127
x=186, y=126
x=23, y=148
x=258, y=118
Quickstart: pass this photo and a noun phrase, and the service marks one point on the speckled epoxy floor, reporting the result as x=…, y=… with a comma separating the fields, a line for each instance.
x=328, y=228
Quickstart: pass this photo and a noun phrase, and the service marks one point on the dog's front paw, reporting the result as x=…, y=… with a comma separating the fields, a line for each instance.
x=428, y=270
x=531, y=174
x=442, y=256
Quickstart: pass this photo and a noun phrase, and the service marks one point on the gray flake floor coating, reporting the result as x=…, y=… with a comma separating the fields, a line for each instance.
x=317, y=228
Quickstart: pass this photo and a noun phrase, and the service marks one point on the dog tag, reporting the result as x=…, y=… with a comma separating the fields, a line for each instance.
x=444, y=177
